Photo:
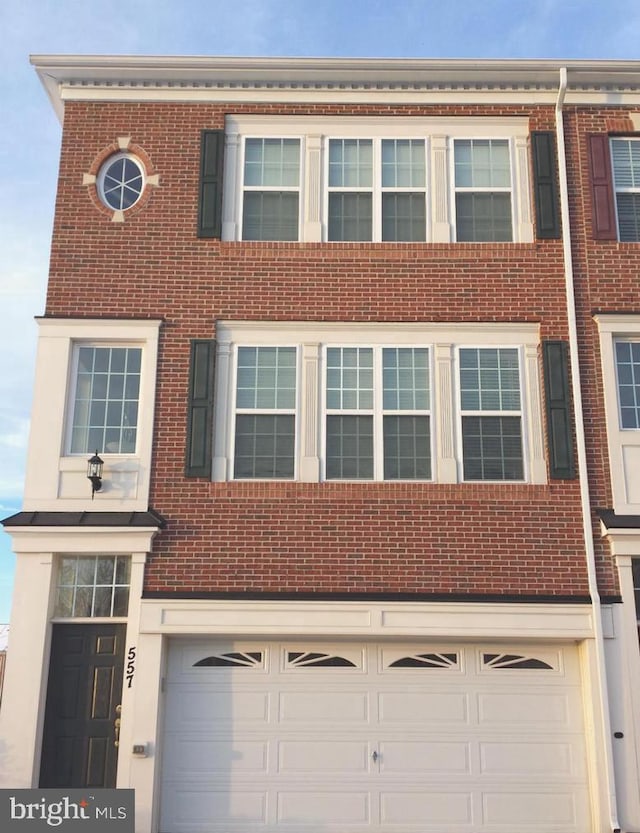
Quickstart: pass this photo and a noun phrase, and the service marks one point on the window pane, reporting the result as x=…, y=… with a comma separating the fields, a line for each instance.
x=272, y=162
x=123, y=569
x=120, y=601
x=628, y=206
x=265, y=446
x=350, y=163
x=64, y=602
x=350, y=370
x=86, y=571
x=628, y=373
x=106, y=401
x=482, y=163
x=492, y=448
x=405, y=379
x=625, y=154
x=350, y=216
x=349, y=447
x=407, y=448
x=266, y=378
x=102, y=601
x=489, y=379
x=270, y=215
x=85, y=585
x=483, y=217
x=403, y=163
x=404, y=217
x=83, y=602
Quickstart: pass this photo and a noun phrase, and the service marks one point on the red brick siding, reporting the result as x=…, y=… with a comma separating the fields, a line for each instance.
x=332, y=537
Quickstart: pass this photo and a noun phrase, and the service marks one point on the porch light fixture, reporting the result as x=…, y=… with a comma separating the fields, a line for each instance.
x=94, y=473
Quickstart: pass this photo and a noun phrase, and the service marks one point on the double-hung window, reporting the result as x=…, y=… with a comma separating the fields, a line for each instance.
x=271, y=200
x=378, y=402
x=627, y=355
x=482, y=173
x=364, y=179
x=265, y=412
x=491, y=414
x=620, y=357
x=105, y=408
x=625, y=156
x=377, y=190
x=377, y=420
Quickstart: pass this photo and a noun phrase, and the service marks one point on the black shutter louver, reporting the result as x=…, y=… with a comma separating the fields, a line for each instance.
x=603, y=219
x=543, y=148
x=558, y=401
x=210, y=198
x=200, y=409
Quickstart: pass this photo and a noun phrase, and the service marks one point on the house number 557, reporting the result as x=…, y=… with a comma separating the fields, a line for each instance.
x=131, y=666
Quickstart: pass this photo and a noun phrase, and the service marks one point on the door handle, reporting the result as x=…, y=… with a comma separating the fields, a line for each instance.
x=116, y=726
x=375, y=756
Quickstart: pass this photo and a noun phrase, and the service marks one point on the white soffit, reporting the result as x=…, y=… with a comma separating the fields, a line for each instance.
x=355, y=80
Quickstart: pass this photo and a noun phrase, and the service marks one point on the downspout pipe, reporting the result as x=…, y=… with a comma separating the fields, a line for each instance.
x=585, y=500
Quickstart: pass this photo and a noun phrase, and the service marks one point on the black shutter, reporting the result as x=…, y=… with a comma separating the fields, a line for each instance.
x=556, y=382
x=210, y=205
x=602, y=205
x=543, y=147
x=200, y=411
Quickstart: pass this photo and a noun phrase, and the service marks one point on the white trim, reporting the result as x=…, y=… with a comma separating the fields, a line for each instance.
x=56, y=480
x=367, y=619
x=623, y=443
x=439, y=338
x=438, y=133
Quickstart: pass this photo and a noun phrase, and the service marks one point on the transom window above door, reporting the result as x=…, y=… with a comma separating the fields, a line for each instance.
x=395, y=180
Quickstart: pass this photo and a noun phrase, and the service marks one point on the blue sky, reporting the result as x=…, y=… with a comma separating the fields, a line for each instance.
x=30, y=135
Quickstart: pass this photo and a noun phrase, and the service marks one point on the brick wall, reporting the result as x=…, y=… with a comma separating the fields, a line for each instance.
x=329, y=537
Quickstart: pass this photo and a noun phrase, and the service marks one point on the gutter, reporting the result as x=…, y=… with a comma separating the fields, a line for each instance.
x=606, y=765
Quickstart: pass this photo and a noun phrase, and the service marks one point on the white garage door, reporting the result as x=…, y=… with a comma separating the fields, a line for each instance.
x=348, y=738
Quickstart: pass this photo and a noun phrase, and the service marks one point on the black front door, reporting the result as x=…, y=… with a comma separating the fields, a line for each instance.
x=83, y=696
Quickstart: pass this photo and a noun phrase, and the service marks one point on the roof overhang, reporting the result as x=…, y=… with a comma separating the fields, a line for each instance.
x=199, y=78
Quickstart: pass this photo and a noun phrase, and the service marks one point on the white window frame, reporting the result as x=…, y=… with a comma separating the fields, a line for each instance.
x=266, y=188
x=377, y=412
x=272, y=412
x=73, y=384
x=314, y=133
x=621, y=190
x=480, y=190
x=623, y=443
x=521, y=413
x=442, y=341
x=56, y=479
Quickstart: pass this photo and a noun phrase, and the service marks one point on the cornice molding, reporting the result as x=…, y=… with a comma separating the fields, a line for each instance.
x=349, y=80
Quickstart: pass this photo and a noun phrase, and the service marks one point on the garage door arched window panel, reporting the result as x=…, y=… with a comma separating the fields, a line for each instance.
x=426, y=661
x=234, y=659
x=93, y=586
x=513, y=661
x=313, y=659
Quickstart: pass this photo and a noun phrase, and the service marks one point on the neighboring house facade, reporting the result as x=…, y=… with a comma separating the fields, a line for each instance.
x=360, y=550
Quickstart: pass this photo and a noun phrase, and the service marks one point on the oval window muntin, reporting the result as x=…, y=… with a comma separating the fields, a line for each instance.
x=121, y=181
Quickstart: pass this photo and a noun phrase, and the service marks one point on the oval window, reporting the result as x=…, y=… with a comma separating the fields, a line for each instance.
x=121, y=181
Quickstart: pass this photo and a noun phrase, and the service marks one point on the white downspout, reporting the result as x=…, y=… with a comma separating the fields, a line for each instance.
x=607, y=764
